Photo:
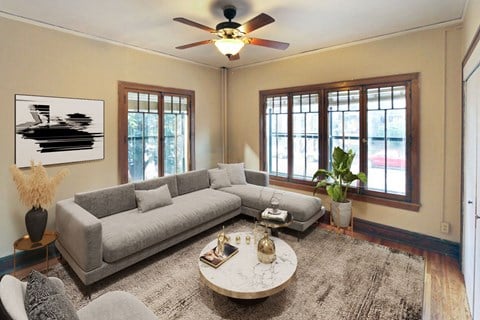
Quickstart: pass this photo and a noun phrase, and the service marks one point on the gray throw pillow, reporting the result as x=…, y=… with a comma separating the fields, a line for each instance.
x=235, y=171
x=43, y=300
x=151, y=199
x=218, y=178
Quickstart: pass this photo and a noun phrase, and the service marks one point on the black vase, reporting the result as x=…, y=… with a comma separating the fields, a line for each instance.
x=36, y=222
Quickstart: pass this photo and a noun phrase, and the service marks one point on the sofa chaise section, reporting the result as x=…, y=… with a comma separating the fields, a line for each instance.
x=256, y=196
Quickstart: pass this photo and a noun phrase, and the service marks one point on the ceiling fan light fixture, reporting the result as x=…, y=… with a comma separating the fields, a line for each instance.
x=229, y=47
x=232, y=36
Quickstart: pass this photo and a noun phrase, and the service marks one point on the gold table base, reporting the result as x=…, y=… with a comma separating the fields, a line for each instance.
x=25, y=244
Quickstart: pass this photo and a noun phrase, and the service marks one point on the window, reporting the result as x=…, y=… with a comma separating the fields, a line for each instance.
x=155, y=130
x=175, y=136
x=377, y=118
x=142, y=135
x=277, y=129
x=387, y=139
x=305, y=135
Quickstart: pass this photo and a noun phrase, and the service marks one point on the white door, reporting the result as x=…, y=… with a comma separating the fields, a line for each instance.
x=469, y=188
x=471, y=181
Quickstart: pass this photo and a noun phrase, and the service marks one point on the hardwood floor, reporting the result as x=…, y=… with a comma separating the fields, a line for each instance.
x=444, y=288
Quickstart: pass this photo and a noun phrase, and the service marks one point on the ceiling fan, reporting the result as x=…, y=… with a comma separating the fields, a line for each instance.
x=232, y=36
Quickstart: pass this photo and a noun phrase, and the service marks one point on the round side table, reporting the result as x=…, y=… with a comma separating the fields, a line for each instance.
x=275, y=225
x=25, y=244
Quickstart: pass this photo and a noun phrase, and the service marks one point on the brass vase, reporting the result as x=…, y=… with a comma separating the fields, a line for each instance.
x=266, y=249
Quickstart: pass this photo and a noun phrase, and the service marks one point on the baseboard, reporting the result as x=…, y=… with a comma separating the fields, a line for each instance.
x=26, y=259
x=413, y=239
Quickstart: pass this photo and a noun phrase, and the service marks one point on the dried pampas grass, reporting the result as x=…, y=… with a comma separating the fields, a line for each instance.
x=37, y=189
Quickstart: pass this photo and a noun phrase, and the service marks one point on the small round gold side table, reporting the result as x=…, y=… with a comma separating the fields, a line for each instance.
x=25, y=244
x=275, y=225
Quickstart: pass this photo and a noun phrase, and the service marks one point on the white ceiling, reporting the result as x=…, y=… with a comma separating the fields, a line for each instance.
x=307, y=25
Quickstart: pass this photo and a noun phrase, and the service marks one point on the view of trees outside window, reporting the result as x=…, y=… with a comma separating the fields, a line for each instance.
x=305, y=135
x=175, y=117
x=143, y=135
x=277, y=137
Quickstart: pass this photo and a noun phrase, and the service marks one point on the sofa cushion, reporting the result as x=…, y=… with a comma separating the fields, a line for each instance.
x=155, y=183
x=12, y=296
x=104, y=202
x=260, y=178
x=192, y=181
x=43, y=300
x=218, y=178
x=235, y=171
x=151, y=199
x=56, y=306
x=129, y=232
x=38, y=286
x=302, y=207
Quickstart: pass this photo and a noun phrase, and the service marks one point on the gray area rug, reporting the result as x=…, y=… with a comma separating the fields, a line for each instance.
x=338, y=277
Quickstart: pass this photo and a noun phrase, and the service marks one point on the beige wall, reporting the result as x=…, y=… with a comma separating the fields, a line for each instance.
x=471, y=23
x=35, y=60
x=436, y=54
x=39, y=61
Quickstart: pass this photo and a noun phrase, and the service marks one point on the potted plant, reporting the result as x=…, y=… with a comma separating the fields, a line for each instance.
x=336, y=182
x=37, y=191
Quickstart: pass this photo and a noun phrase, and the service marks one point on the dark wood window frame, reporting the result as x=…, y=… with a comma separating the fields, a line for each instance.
x=412, y=199
x=123, y=88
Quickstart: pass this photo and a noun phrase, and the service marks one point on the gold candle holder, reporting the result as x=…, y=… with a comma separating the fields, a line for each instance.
x=237, y=239
x=247, y=239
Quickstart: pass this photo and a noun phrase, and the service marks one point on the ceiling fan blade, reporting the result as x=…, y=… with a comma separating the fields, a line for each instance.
x=234, y=57
x=194, y=44
x=194, y=24
x=269, y=43
x=259, y=21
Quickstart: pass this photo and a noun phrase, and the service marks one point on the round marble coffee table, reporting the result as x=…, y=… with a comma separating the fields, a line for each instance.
x=243, y=276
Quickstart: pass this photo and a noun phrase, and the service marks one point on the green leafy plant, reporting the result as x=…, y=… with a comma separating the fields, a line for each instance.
x=338, y=180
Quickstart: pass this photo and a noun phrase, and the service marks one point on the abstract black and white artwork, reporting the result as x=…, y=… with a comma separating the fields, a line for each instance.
x=54, y=130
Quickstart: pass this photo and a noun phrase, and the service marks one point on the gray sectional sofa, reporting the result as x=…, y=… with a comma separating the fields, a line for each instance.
x=104, y=231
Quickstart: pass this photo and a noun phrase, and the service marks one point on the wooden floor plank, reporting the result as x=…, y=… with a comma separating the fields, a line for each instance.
x=455, y=283
x=427, y=297
x=438, y=309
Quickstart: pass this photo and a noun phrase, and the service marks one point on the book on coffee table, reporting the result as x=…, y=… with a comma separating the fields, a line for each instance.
x=214, y=260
